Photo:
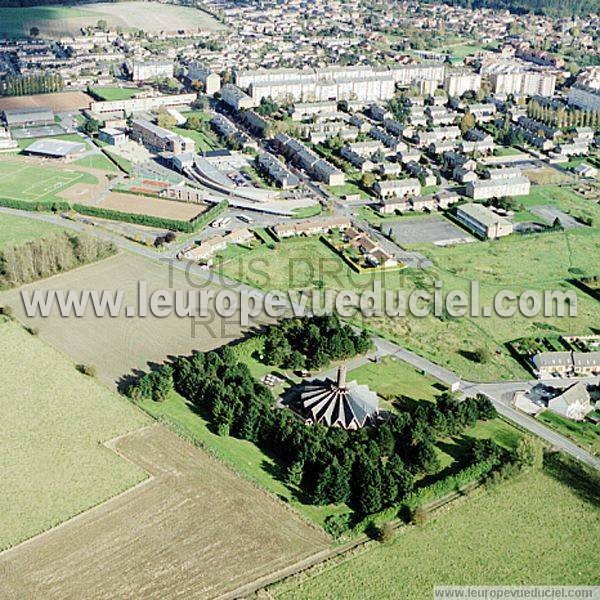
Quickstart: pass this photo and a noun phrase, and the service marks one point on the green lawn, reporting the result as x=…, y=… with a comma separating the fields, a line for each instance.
x=506, y=151
x=348, y=189
x=307, y=211
x=18, y=230
x=515, y=534
x=391, y=378
x=97, y=161
x=23, y=181
x=55, y=420
x=204, y=141
x=114, y=92
x=583, y=433
x=15, y=21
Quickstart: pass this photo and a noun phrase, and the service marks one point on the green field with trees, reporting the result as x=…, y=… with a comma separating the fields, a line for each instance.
x=514, y=533
x=473, y=347
x=49, y=255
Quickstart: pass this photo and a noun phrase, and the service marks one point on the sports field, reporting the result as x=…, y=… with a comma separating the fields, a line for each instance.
x=58, y=102
x=56, y=20
x=156, y=207
x=518, y=533
x=18, y=230
x=55, y=422
x=33, y=183
x=115, y=93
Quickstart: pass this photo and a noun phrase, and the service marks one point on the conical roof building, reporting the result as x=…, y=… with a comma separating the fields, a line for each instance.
x=338, y=403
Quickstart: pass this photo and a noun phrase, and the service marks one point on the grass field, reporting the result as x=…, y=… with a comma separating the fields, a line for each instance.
x=551, y=260
x=56, y=20
x=53, y=462
x=115, y=93
x=516, y=534
x=391, y=378
x=583, y=433
x=23, y=181
x=194, y=530
x=18, y=230
x=203, y=141
x=97, y=161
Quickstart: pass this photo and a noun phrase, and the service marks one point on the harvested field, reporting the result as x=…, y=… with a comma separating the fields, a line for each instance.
x=195, y=529
x=58, y=102
x=156, y=207
x=117, y=345
x=56, y=20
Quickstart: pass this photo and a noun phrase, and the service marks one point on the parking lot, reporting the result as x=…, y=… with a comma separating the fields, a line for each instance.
x=435, y=230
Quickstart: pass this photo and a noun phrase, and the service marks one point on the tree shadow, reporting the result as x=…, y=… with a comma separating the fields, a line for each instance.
x=583, y=480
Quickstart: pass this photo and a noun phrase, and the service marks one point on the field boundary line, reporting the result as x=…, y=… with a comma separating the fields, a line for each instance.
x=109, y=446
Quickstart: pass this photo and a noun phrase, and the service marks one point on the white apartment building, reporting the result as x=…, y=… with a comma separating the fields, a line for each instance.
x=397, y=188
x=318, y=85
x=236, y=98
x=144, y=70
x=458, y=82
x=209, y=79
x=483, y=221
x=483, y=189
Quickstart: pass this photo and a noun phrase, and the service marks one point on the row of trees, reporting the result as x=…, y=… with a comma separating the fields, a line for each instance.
x=24, y=85
x=44, y=257
x=312, y=342
x=562, y=117
x=369, y=469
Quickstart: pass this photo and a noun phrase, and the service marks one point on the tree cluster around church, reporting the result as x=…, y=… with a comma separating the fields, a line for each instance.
x=369, y=469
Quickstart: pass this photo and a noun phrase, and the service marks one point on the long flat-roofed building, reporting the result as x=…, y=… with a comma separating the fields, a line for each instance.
x=363, y=83
x=483, y=221
x=132, y=105
x=28, y=117
x=55, y=148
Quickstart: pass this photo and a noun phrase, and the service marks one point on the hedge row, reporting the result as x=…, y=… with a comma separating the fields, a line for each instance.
x=46, y=206
x=449, y=484
x=149, y=221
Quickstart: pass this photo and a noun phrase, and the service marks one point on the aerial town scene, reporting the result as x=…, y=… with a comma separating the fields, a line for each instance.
x=299, y=299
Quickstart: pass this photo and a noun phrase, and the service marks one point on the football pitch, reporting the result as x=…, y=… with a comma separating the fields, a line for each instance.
x=37, y=184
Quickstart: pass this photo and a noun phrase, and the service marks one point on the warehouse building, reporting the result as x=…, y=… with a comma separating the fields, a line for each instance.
x=28, y=117
x=55, y=148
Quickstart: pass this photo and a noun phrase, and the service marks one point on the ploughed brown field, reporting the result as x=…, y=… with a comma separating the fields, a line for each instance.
x=58, y=102
x=194, y=529
x=155, y=207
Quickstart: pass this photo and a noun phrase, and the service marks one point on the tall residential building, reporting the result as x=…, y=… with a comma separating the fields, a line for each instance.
x=586, y=91
x=456, y=83
x=209, y=79
x=144, y=70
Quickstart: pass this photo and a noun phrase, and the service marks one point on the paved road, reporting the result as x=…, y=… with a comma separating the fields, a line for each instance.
x=500, y=393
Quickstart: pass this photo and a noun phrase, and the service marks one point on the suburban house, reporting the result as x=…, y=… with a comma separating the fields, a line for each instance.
x=397, y=188
x=312, y=227
x=573, y=402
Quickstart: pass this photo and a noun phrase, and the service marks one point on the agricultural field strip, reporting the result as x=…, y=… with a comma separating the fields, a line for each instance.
x=171, y=510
